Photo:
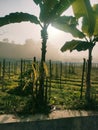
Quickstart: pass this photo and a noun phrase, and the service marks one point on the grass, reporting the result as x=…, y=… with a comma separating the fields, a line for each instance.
x=65, y=94
x=17, y=105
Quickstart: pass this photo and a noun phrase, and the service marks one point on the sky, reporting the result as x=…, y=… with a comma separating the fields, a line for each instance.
x=19, y=32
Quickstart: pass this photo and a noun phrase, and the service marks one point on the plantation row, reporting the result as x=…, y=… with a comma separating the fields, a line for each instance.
x=56, y=72
x=64, y=85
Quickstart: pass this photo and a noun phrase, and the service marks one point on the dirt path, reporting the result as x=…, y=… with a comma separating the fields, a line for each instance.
x=53, y=115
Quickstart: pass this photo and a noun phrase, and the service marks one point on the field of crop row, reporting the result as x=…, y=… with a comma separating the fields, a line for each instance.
x=63, y=80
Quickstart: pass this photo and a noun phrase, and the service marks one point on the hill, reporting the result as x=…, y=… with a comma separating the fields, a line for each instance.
x=28, y=50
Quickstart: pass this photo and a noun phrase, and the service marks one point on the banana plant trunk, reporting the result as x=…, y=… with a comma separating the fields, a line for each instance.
x=88, y=76
x=44, y=37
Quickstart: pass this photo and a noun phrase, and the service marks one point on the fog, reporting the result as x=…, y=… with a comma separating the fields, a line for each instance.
x=32, y=48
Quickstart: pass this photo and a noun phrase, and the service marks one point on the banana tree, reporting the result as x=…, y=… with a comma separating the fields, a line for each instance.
x=89, y=28
x=49, y=11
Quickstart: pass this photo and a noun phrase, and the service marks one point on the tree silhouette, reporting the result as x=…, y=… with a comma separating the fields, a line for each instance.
x=50, y=10
x=89, y=32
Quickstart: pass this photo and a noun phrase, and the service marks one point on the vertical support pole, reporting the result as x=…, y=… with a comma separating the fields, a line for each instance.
x=21, y=71
x=50, y=68
x=60, y=73
x=83, y=70
x=9, y=69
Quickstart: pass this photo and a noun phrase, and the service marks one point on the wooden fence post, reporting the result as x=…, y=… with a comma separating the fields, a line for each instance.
x=15, y=68
x=56, y=70
x=3, y=74
x=0, y=69
x=36, y=84
x=9, y=69
x=50, y=75
x=65, y=71
x=83, y=70
x=3, y=69
x=60, y=73
x=21, y=71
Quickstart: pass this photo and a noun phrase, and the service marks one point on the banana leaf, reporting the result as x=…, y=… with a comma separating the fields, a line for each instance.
x=37, y=1
x=95, y=8
x=83, y=8
x=17, y=18
x=76, y=45
x=68, y=24
x=51, y=9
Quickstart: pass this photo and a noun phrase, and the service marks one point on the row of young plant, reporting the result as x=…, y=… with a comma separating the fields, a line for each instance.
x=26, y=71
x=64, y=82
x=53, y=15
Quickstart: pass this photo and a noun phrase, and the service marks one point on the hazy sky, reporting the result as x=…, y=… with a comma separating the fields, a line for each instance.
x=22, y=31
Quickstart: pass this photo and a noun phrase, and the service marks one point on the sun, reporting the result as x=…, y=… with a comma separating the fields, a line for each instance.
x=53, y=32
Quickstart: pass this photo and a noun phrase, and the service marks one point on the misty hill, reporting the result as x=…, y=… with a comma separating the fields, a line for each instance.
x=27, y=50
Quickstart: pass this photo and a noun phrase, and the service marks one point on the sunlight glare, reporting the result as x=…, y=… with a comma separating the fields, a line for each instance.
x=53, y=32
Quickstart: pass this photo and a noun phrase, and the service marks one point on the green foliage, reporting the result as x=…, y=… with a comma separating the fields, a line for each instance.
x=95, y=8
x=37, y=1
x=76, y=45
x=51, y=9
x=95, y=39
x=65, y=91
x=10, y=103
x=17, y=18
x=45, y=69
x=68, y=24
x=29, y=78
x=89, y=27
x=82, y=8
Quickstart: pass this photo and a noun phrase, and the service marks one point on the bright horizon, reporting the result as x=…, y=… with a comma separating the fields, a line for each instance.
x=19, y=32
